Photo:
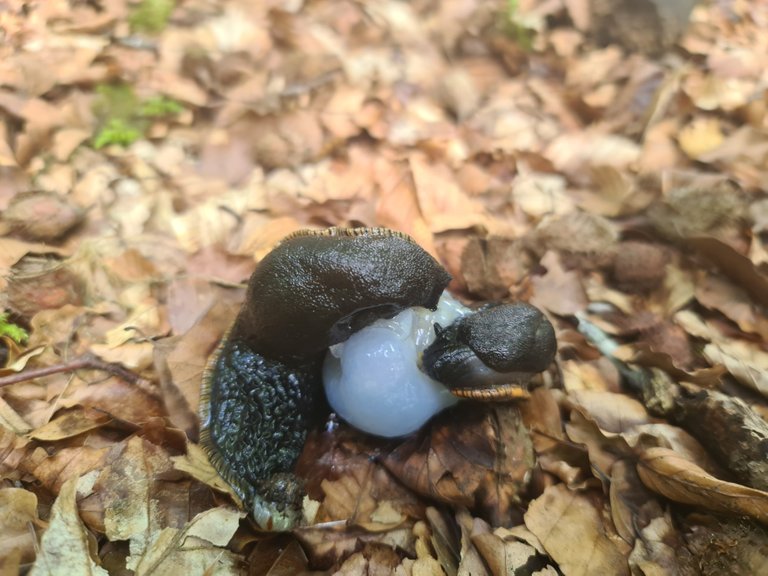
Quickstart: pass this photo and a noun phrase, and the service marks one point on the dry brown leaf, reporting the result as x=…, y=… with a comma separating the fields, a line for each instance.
x=559, y=290
x=398, y=205
x=470, y=562
x=614, y=413
x=604, y=449
x=676, y=439
x=657, y=548
x=478, y=457
x=748, y=364
x=444, y=539
x=572, y=530
x=196, y=548
x=328, y=545
x=729, y=428
x=281, y=555
x=196, y=463
x=66, y=546
x=183, y=362
x=585, y=240
x=702, y=135
x=571, y=153
x=13, y=450
x=680, y=480
x=491, y=267
x=719, y=294
x=357, y=498
x=69, y=424
x=382, y=560
x=128, y=502
x=504, y=554
x=540, y=195
x=42, y=216
x=18, y=524
x=43, y=282
x=52, y=471
x=443, y=205
x=338, y=116
x=259, y=235
x=117, y=398
x=597, y=376
x=736, y=266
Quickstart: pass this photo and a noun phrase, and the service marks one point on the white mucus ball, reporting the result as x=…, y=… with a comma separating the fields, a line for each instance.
x=373, y=380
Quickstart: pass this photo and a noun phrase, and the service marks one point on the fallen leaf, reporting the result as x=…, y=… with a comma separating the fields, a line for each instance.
x=702, y=135
x=680, y=480
x=560, y=291
x=66, y=545
x=571, y=528
x=69, y=424
x=196, y=463
x=19, y=524
x=479, y=458
x=188, y=550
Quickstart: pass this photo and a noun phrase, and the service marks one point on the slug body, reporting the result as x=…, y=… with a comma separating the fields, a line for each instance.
x=345, y=289
x=262, y=389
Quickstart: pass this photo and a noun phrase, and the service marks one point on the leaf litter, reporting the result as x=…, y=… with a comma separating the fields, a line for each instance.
x=152, y=152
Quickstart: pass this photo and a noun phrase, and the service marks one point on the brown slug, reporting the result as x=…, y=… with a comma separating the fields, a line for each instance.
x=262, y=389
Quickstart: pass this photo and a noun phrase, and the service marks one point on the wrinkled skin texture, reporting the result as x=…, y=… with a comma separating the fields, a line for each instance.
x=259, y=413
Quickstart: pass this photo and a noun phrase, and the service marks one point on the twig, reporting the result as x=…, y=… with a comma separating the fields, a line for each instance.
x=87, y=361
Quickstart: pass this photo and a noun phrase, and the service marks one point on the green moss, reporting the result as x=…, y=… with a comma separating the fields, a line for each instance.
x=117, y=131
x=151, y=16
x=11, y=330
x=123, y=117
x=514, y=27
x=160, y=107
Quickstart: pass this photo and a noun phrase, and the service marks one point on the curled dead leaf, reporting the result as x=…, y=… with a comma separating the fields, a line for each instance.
x=680, y=480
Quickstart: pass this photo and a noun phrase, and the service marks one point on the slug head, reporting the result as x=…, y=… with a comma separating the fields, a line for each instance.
x=493, y=353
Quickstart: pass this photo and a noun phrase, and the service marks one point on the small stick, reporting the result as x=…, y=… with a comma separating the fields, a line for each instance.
x=87, y=361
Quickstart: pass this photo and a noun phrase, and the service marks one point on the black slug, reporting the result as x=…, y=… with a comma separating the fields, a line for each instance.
x=262, y=389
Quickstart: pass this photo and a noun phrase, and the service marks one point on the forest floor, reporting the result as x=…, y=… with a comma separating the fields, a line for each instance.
x=151, y=153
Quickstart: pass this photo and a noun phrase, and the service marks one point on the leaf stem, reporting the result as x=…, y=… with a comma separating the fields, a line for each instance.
x=87, y=361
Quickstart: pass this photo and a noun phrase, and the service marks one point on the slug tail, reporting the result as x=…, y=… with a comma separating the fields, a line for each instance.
x=255, y=414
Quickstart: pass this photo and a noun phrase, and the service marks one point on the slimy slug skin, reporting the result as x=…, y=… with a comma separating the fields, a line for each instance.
x=343, y=289
x=493, y=353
